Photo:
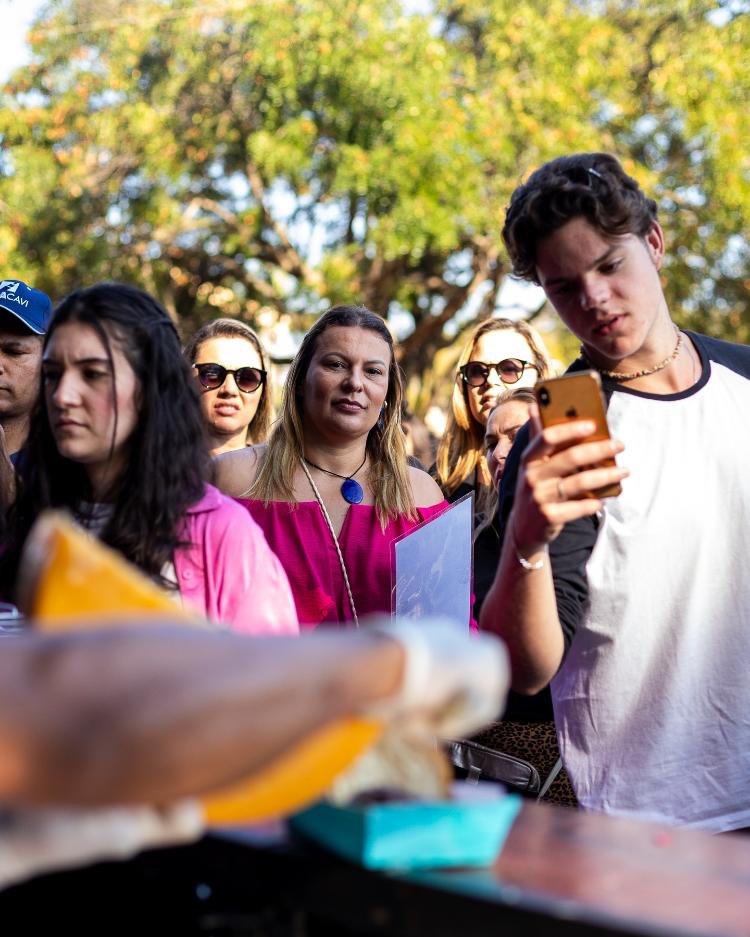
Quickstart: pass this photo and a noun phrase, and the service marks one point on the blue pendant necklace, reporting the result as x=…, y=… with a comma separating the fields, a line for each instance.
x=351, y=490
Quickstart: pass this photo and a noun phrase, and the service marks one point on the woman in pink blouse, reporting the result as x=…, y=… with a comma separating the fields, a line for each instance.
x=332, y=488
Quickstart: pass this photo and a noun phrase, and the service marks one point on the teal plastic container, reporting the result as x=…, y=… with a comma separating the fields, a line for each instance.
x=412, y=835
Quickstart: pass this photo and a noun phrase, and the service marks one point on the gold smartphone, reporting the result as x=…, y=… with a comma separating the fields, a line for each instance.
x=577, y=396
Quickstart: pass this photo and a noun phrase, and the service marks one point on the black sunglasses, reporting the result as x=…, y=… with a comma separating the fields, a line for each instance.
x=212, y=376
x=509, y=370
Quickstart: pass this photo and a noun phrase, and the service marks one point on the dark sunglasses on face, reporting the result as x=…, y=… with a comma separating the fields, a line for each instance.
x=509, y=370
x=212, y=376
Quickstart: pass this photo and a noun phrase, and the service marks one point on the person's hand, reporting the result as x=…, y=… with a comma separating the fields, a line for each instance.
x=455, y=682
x=555, y=480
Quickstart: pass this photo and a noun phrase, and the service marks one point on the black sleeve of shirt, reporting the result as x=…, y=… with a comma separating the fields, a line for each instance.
x=569, y=552
x=733, y=356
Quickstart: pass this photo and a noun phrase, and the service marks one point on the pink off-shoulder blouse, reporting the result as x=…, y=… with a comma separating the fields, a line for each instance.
x=299, y=536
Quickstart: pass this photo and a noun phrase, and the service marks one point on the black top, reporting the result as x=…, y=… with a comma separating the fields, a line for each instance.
x=519, y=708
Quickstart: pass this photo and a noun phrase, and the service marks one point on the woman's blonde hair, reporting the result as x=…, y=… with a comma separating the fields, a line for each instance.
x=257, y=431
x=460, y=450
x=388, y=469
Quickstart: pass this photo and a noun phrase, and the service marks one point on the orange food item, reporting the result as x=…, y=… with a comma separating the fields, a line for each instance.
x=297, y=778
x=69, y=580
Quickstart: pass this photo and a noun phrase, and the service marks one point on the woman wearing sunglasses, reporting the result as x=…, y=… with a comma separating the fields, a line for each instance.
x=500, y=354
x=229, y=364
x=117, y=439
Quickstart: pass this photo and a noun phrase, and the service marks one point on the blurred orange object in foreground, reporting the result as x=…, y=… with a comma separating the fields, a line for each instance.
x=297, y=778
x=71, y=581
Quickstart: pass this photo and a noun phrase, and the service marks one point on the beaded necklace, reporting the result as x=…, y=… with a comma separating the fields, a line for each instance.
x=621, y=376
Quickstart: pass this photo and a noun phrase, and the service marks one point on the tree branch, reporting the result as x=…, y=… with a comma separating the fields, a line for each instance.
x=486, y=268
x=285, y=254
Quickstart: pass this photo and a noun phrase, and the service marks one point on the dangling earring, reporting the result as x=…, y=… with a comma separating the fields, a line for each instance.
x=381, y=419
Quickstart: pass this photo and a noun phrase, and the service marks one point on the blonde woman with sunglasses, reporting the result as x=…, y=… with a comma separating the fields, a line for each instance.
x=231, y=371
x=499, y=355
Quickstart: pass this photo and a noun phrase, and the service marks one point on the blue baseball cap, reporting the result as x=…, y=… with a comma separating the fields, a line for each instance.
x=30, y=306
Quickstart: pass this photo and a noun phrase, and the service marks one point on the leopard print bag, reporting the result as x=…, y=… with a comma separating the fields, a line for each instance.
x=522, y=755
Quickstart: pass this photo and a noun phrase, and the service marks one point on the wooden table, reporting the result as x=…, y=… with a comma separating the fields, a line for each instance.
x=637, y=874
x=561, y=873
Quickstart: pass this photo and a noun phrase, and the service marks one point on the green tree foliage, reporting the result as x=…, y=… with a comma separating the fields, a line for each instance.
x=267, y=159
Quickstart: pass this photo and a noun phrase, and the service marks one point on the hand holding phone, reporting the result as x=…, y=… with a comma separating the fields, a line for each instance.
x=578, y=396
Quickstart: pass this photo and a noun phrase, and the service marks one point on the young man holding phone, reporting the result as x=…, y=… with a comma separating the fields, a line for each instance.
x=637, y=608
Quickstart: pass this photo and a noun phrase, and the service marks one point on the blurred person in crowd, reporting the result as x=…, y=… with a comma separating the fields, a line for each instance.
x=420, y=447
x=527, y=729
x=636, y=607
x=24, y=316
x=332, y=488
x=510, y=414
x=435, y=420
x=117, y=439
x=101, y=768
x=232, y=375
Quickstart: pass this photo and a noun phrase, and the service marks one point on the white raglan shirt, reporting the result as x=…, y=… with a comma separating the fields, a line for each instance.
x=652, y=702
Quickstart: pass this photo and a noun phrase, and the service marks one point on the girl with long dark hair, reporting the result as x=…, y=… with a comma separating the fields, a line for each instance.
x=117, y=439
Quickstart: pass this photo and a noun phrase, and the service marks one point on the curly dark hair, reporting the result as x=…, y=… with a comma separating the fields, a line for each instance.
x=167, y=463
x=589, y=185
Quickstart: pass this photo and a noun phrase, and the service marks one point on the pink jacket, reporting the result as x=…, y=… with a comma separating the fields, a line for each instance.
x=229, y=572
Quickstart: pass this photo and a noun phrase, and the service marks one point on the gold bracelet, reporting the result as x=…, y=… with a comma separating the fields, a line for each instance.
x=529, y=567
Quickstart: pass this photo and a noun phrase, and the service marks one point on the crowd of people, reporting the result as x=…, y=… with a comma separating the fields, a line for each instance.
x=624, y=617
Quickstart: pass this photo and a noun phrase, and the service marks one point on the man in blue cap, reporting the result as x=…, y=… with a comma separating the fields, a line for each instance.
x=24, y=315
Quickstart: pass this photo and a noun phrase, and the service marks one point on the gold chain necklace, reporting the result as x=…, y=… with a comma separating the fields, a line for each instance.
x=621, y=376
